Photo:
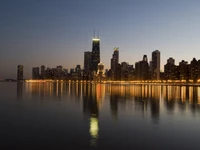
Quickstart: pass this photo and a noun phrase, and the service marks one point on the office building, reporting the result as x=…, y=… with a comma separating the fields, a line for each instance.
x=42, y=72
x=95, y=60
x=115, y=59
x=124, y=71
x=194, y=71
x=142, y=69
x=59, y=72
x=20, y=72
x=114, y=63
x=170, y=70
x=155, y=65
x=184, y=70
x=35, y=73
x=87, y=61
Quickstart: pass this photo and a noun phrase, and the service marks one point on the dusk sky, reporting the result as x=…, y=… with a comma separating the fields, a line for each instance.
x=57, y=32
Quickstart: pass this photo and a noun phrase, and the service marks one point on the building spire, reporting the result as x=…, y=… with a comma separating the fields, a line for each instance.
x=98, y=34
x=94, y=33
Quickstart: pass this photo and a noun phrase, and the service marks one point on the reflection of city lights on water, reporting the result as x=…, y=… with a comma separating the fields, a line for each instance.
x=94, y=127
x=94, y=130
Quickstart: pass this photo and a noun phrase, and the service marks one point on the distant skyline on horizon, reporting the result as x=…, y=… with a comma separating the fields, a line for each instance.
x=52, y=33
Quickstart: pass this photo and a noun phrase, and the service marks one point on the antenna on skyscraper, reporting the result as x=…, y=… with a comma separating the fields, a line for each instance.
x=98, y=34
x=94, y=33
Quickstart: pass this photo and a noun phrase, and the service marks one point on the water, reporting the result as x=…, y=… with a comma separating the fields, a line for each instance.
x=99, y=116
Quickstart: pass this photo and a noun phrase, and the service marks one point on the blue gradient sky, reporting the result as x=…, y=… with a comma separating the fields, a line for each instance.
x=57, y=32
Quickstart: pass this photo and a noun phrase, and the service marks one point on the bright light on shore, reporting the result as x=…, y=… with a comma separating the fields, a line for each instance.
x=39, y=81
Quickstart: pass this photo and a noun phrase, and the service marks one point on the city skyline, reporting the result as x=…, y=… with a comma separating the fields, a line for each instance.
x=55, y=33
x=150, y=69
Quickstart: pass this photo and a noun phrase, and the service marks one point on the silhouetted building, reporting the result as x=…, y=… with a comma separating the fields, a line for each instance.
x=171, y=61
x=35, y=73
x=65, y=74
x=54, y=73
x=162, y=75
x=87, y=61
x=115, y=59
x=95, y=54
x=131, y=72
x=71, y=70
x=43, y=72
x=78, y=69
x=198, y=69
x=194, y=71
x=59, y=72
x=20, y=72
x=87, y=66
x=155, y=65
x=170, y=70
x=137, y=70
x=124, y=71
x=114, y=63
x=78, y=72
x=48, y=73
x=142, y=69
x=184, y=70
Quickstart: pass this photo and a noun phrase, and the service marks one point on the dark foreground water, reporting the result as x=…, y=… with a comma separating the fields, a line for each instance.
x=64, y=116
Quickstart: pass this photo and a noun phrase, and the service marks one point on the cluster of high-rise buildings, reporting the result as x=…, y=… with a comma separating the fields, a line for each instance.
x=94, y=69
x=143, y=69
x=183, y=71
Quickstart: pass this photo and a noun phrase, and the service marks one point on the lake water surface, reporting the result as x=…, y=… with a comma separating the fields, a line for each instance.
x=99, y=116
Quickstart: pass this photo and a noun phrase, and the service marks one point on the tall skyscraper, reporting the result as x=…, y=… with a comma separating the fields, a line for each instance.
x=87, y=61
x=193, y=70
x=115, y=59
x=155, y=65
x=95, y=54
x=35, y=73
x=20, y=71
x=42, y=71
x=114, y=63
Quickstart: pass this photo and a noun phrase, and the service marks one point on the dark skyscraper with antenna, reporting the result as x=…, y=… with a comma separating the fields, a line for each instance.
x=95, y=53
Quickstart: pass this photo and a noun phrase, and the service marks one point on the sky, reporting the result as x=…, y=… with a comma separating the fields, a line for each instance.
x=57, y=32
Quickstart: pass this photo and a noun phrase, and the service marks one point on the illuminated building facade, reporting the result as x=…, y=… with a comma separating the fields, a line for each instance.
x=100, y=69
x=95, y=60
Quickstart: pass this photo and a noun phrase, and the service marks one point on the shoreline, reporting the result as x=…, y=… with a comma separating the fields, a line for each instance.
x=164, y=82
x=160, y=82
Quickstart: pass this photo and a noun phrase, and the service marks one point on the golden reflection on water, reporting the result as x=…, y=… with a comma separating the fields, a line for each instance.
x=98, y=91
x=150, y=100
x=94, y=130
